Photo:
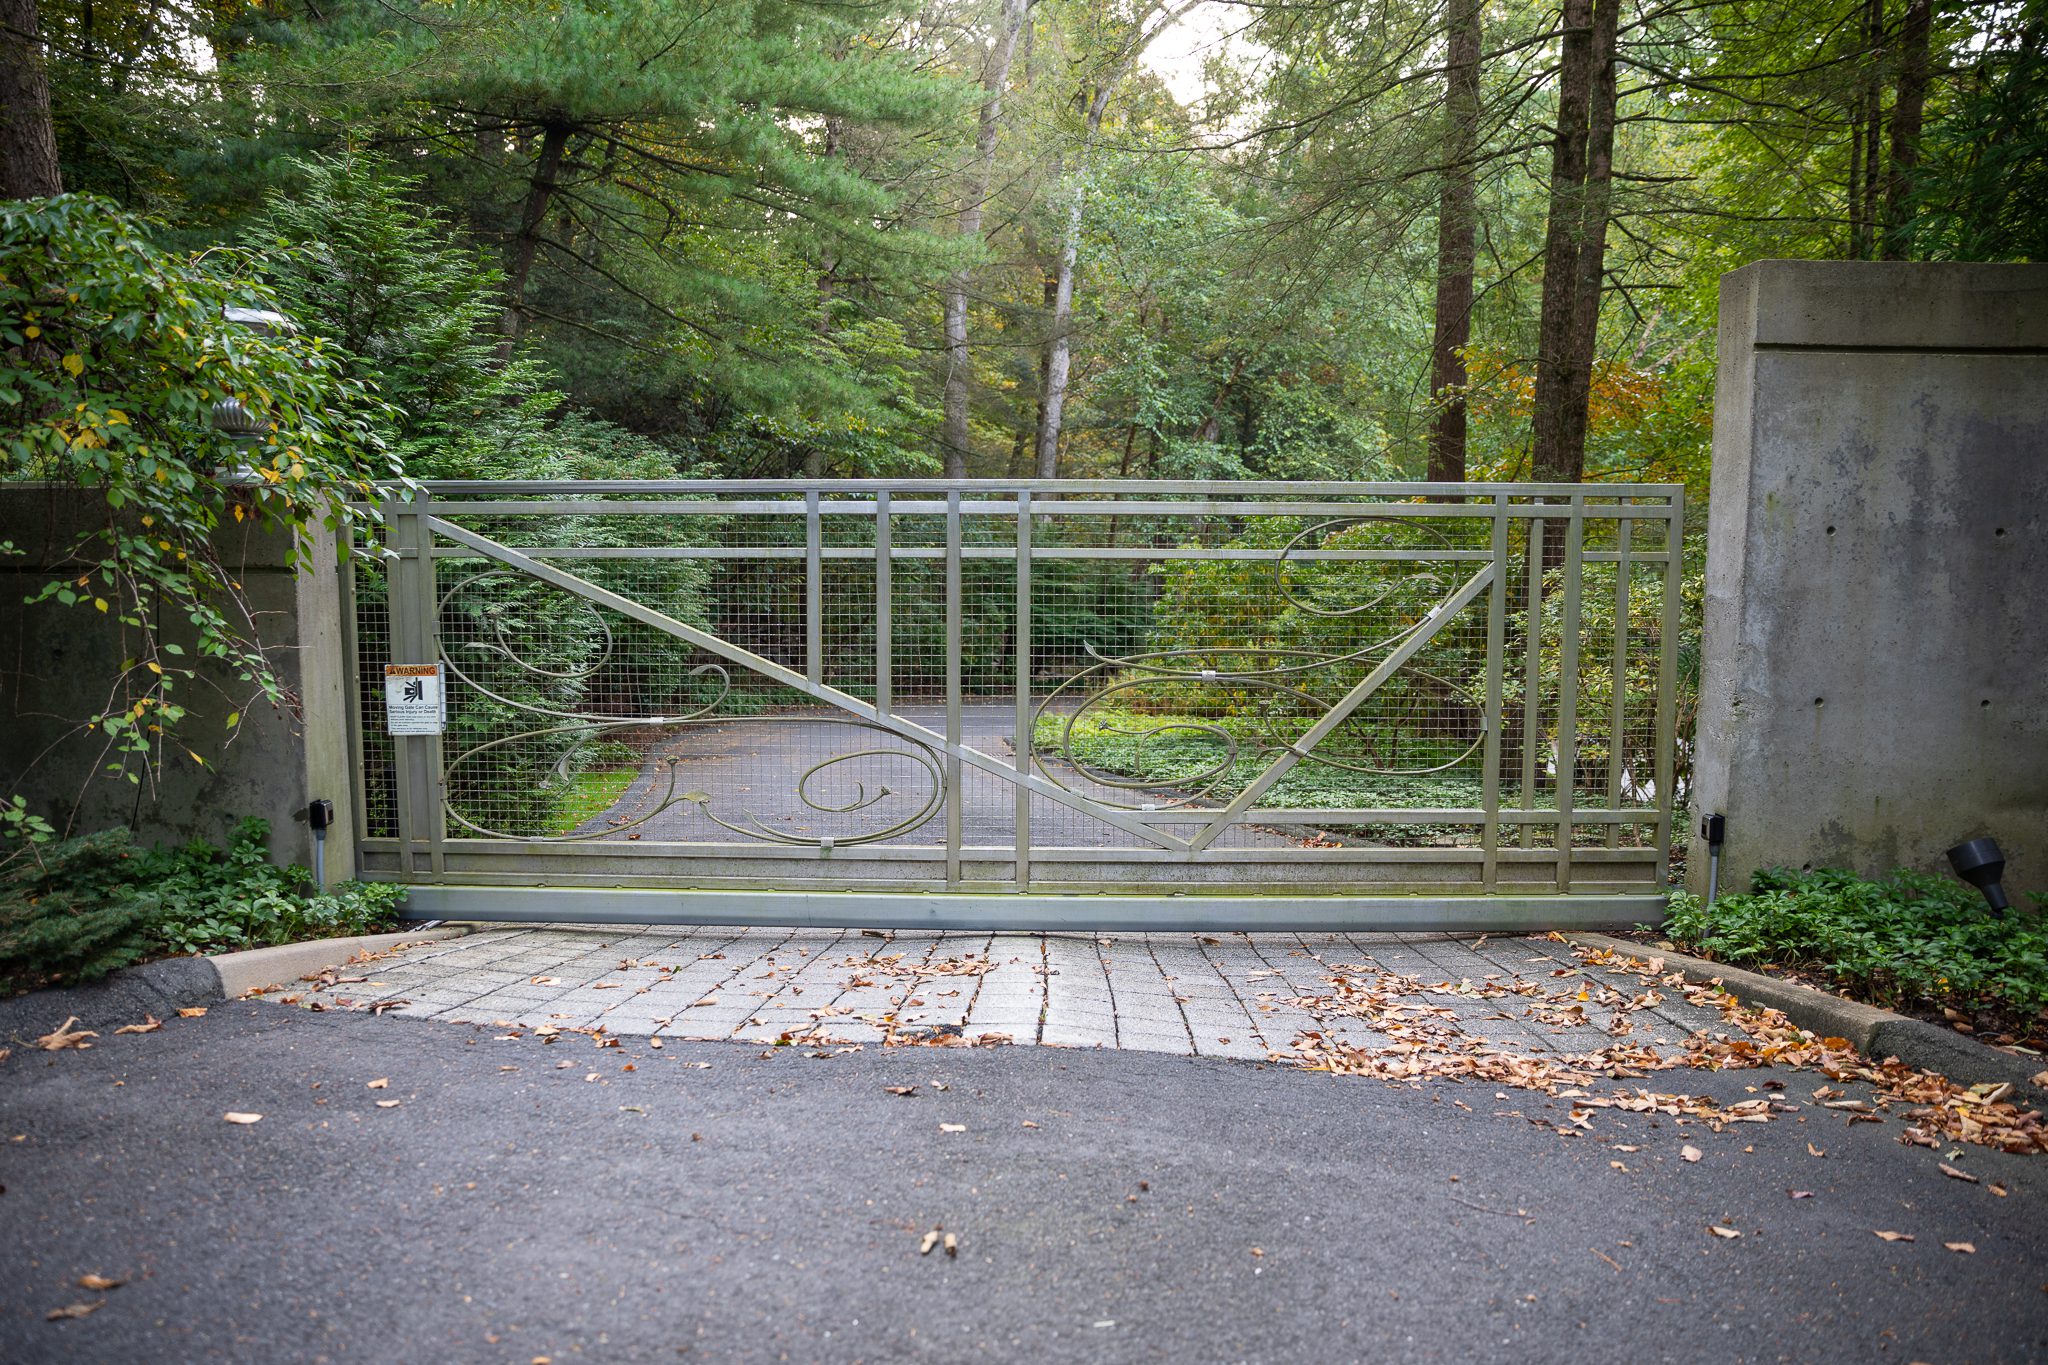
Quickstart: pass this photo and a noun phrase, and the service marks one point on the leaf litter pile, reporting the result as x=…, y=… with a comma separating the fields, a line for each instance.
x=1427, y=1044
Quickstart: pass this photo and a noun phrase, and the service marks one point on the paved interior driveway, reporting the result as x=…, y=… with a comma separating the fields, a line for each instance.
x=752, y=768
x=1225, y=995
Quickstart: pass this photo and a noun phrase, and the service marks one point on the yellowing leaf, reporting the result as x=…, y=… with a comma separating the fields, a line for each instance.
x=75, y=363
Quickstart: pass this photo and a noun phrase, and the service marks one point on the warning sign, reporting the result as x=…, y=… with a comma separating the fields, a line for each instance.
x=415, y=703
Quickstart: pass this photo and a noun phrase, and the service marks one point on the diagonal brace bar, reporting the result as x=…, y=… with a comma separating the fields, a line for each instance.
x=1337, y=714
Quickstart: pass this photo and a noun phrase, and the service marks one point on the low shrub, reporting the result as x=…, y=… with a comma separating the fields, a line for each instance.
x=1911, y=941
x=72, y=911
x=76, y=910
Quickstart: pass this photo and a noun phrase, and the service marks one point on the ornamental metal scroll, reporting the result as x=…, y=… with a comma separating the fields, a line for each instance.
x=1282, y=674
x=500, y=643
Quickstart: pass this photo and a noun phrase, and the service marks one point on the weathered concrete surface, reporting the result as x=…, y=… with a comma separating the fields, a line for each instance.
x=57, y=664
x=1877, y=569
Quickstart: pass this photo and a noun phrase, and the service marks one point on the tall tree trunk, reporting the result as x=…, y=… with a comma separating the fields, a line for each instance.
x=1857, y=247
x=1873, y=121
x=28, y=141
x=1456, y=244
x=1060, y=354
x=540, y=193
x=1551, y=458
x=1592, y=263
x=1909, y=110
x=995, y=78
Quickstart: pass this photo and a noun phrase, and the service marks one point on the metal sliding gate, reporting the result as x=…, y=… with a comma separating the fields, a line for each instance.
x=1021, y=704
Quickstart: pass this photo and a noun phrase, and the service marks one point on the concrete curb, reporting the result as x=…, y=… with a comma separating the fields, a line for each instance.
x=242, y=972
x=1874, y=1032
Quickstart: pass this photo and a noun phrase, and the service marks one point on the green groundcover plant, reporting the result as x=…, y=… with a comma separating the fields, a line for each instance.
x=1910, y=941
x=76, y=910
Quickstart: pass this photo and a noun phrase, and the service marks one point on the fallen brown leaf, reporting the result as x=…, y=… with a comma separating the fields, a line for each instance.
x=379, y=1084
x=63, y=1036
x=233, y=1117
x=193, y=1012
x=98, y=1283
x=73, y=1310
x=1812, y=1150
x=150, y=1024
x=1895, y=1236
x=1953, y=1174
x=1966, y=1248
x=387, y=1104
x=1720, y=1231
x=905, y=1090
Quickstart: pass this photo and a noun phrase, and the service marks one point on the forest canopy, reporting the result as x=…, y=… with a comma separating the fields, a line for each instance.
x=1077, y=238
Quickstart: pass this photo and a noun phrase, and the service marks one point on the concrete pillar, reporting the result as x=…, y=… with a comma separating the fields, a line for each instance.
x=1874, y=669
x=57, y=664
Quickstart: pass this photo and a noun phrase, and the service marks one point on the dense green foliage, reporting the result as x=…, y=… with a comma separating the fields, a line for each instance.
x=1910, y=941
x=75, y=910
x=113, y=355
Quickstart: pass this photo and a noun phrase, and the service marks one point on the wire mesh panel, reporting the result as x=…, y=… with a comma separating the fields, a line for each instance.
x=1028, y=687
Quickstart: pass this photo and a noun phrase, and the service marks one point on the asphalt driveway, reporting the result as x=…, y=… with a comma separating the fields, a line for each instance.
x=516, y=1199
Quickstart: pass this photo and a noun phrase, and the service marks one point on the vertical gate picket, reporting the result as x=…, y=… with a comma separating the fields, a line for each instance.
x=1568, y=687
x=1617, y=718
x=814, y=590
x=1532, y=680
x=1667, y=673
x=1021, y=727
x=416, y=638
x=953, y=644
x=884, y=602
x=1496, y=648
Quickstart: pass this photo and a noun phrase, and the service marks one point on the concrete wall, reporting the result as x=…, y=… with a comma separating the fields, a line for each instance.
x=1874, y=679
x=56, y=664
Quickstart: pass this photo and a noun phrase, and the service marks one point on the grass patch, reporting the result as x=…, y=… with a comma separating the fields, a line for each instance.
x=1916, y=943
x=1172, y=752
x=589, y=794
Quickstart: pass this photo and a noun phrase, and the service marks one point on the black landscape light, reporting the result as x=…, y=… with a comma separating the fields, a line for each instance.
x=1980, y=863
x=319, y=815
